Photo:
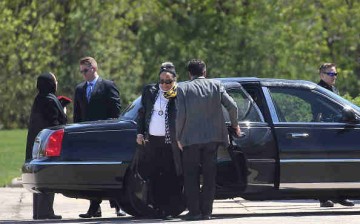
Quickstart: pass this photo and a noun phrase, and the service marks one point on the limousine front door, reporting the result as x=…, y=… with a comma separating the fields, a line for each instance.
x=317, y=149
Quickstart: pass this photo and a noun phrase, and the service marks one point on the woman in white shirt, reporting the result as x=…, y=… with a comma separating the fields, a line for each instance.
x=156, y=129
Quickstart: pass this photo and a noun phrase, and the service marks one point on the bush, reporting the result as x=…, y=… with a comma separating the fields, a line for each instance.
x=355, y=100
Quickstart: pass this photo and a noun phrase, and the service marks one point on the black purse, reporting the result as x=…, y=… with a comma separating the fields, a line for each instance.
x=141, y=163
x=139, y=184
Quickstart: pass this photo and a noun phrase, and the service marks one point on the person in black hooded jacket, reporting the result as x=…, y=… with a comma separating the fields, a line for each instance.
x=46, y=112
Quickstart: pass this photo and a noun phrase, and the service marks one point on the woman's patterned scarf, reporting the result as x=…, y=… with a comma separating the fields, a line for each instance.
x=170, y=94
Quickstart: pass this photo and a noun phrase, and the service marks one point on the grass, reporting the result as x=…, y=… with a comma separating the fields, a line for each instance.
x=12, y=154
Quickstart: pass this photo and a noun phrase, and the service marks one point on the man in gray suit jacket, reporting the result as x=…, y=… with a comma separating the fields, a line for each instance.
x=200, y=131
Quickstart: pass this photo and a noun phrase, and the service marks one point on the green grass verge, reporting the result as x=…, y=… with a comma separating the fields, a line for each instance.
x=12, y=154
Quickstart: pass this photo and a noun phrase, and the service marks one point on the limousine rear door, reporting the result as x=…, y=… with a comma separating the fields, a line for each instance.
x=254, y=154
x=317, y=148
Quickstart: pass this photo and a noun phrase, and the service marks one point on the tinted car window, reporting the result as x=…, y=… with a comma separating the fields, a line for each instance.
x=300, y=105
x=342, y=100
x=248, y=111
x=131, y=112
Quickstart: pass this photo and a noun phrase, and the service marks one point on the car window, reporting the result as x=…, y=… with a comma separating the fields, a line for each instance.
x=340, y=99
x=131, y=111
x=256, y=95
x=303, y=105
x=247, y=109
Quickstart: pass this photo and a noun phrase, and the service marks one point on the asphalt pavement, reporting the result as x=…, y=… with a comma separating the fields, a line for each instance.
x=16, y=207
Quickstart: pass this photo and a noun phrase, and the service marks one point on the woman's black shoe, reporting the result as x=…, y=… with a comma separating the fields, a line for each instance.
x=190, y=217
x=168, y=217
x=91, y=214
x=161, y=214
x=206, y=217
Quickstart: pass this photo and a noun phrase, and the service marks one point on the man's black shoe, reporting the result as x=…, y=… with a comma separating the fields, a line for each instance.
x=190, y=217
x=90, y=214
x=345, y=202
x=327, y=204
x=49, y=217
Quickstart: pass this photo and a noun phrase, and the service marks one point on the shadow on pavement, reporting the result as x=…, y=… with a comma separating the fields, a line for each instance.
x=178, y=219
x=284, y=214
x=92, y=220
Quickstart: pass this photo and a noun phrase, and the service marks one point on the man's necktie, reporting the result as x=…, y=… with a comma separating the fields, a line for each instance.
x=89, y=90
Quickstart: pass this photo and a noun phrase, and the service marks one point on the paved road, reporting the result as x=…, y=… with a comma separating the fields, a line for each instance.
x=16, y=207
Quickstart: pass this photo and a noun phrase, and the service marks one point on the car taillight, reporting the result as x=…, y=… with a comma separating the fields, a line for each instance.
x=53, y=145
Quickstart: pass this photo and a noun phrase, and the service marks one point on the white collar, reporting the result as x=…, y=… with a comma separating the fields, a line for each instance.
x=93, y=82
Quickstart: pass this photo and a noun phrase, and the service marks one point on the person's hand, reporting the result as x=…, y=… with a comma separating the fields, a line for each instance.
x=140, y=139
x=237, y=130
x=179, y=145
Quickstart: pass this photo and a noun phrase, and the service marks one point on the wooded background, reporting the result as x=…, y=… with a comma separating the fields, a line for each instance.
x=131, y=38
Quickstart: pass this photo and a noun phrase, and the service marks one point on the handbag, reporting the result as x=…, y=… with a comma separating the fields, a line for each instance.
x=141, y=163
x=139, y=176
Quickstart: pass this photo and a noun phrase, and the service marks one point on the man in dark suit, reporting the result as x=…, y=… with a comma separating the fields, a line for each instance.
x=200, y=131
x=328, y=76
x=95, y=99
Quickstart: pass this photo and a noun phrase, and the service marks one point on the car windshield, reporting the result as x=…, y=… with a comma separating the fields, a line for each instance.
x=131, y=112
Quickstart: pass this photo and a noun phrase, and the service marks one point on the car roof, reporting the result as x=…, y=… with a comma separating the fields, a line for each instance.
x=271, y=82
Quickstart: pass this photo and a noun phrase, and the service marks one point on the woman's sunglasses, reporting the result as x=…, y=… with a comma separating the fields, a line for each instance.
x=166, y=81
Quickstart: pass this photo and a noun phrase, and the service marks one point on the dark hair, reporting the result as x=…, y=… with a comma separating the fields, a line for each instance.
x=326, y=66
x=167, y=67
x=196, y=67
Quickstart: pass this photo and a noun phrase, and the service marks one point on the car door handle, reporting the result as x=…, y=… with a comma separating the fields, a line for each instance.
x=297, y=135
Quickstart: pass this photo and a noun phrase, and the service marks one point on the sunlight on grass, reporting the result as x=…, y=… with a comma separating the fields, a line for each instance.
x=12, y=154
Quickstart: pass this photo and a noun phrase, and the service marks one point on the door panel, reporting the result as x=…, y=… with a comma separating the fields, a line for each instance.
x=256, y=151
x=316, y=148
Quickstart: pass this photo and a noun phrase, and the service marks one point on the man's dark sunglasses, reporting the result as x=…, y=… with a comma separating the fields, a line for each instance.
x=84, y=71
x=332, y=74
x=166, y=81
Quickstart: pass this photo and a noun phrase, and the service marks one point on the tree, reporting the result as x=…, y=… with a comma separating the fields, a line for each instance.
x=130, y=39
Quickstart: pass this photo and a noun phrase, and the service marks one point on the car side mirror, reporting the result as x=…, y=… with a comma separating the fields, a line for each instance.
x=348, y=115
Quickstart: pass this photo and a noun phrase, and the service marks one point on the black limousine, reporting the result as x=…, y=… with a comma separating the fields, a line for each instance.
x=300, y=141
